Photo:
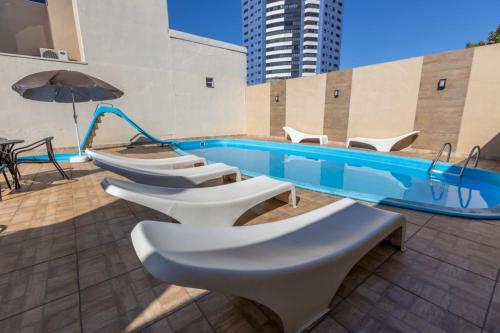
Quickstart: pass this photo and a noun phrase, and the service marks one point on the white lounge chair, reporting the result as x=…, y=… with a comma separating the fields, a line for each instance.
x=297, y=136
x=178, y=178
x=178, y=162
x=294, y=266
x=387, y=144
x=216, y=206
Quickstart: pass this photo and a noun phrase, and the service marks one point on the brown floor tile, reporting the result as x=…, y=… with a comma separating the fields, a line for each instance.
x=475, y=257
x=36, y=285
x=222, y=314
x=493, y=320
x=128, y=302
x=31, y=251
x=95, y=234
x=103, y=262
x=379, y=306
x=474, y=230
x=459, y=291
x=62, y=315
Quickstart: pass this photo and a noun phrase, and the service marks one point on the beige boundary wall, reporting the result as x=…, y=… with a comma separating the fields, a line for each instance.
x=258, y=109
x=305, y=103
x=387, y=100
x=481, y=118
x=384, y=99
x=161, y=71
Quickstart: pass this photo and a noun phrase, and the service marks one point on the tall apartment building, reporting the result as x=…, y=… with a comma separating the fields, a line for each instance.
x=290, y=38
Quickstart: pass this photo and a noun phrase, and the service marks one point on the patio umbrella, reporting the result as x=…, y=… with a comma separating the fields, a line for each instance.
x=64, y=86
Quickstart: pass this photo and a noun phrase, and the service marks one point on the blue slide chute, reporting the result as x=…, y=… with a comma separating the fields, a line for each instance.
x=101, y=110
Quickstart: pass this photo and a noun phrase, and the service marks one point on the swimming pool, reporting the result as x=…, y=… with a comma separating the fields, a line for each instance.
x=384, y=178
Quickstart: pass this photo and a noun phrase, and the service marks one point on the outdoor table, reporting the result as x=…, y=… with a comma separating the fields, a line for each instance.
x=6, y=147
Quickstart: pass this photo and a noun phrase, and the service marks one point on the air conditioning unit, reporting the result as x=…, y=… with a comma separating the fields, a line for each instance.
x=54, y=54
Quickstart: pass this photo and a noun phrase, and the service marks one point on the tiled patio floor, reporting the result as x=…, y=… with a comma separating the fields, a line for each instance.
x=67, y=265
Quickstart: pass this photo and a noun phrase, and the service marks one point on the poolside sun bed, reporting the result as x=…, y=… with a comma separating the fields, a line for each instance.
x=211, y=206
x=178, y=178
x=387, y=144
x=161, y=163
x=297, y=136
x=294, y=266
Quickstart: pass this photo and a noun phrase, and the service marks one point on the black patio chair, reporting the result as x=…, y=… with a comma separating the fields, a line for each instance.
x=50, y=154
x=4, y=165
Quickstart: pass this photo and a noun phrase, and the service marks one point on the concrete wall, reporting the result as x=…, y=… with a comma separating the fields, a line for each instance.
x=384, y=99
x=394, y=98
x=24, y=27
x=127, y=43
x=481, y=116
x=305, y=103
x=258, y=109
x=202, y=111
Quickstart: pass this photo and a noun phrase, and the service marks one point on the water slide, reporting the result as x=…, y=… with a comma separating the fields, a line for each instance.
x=101, y=110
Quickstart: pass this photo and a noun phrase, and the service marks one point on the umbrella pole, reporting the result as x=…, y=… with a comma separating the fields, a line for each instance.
x=75, y=118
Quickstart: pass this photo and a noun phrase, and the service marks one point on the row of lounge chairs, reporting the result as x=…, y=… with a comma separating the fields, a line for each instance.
x=382, y=145
x=293, y=266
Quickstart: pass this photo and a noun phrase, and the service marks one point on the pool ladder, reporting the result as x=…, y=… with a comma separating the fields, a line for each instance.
x=461, y=173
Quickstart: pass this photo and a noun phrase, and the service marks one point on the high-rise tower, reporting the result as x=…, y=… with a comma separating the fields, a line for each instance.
x=290, y=38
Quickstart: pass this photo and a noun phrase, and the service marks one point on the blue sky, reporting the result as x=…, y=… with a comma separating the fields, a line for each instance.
x=374, y=30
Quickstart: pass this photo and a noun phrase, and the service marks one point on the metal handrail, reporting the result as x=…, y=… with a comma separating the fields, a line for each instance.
x=476, y=161
x=438, y=156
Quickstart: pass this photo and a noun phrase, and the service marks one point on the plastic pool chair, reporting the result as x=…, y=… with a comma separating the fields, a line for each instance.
x=297, y=136
x=216, y=206
x=178, y=178
x=294, y=266
x=387, y=144
x=161, y=163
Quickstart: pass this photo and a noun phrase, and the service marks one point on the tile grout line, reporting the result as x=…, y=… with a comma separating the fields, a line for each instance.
x=76, y=256
x=485, y=321
x=426, y=300
x=37, y=306
x=364, y=280
x=456, y=266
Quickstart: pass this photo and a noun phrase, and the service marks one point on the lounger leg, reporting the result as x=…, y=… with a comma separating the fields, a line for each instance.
x=235, y=177
x=288, y=197
x=397, y=238
x=303, y=304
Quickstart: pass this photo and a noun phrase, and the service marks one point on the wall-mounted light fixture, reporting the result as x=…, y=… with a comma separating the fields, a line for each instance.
x=441, y=84
x=209, y=81
x=277, y=98
x=336, y=93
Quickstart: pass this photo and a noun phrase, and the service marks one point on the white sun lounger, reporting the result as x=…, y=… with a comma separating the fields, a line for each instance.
x=388, y=144
x=178, y=178
x=178, y=162
x=210, y=206
x=297, y=136
x=294, y=267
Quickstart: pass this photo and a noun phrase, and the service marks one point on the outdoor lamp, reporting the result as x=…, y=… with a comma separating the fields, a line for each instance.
x=441, y=84
x=277, y=98
x=336, y=93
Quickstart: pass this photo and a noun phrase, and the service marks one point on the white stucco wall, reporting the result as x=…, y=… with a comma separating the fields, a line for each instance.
x=128, y=44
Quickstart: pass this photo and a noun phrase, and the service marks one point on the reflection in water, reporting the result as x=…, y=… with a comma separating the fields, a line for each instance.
x=357, y=177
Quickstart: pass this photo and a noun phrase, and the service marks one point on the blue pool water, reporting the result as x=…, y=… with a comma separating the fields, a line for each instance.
x=385, y=178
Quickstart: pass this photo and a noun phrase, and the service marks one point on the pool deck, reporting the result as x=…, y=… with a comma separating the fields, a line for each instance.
x=67, y=265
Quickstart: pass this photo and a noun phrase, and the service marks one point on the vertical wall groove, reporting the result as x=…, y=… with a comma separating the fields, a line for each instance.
x=336, y=115
x=278, y=109
x=439, y=112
